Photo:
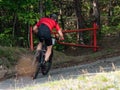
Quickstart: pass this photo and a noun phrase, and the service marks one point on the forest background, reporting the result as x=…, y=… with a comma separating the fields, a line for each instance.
x=16, y=17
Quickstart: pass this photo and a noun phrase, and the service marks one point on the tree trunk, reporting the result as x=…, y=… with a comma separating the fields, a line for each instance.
x=61, y=18
x=40, y=8
x=78, y=5
x=95, y=14
x=14, y=23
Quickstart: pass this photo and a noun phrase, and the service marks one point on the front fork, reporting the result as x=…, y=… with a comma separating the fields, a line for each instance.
x=42, y=57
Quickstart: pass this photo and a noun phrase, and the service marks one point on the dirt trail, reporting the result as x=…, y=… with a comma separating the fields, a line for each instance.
x=106, y=65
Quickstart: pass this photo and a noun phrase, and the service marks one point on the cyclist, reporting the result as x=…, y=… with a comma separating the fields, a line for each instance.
x=43, y=28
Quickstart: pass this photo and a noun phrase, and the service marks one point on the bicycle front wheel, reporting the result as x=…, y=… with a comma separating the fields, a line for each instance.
x=46, y=67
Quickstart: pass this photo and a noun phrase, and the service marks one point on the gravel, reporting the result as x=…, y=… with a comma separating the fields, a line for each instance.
x=104, y=65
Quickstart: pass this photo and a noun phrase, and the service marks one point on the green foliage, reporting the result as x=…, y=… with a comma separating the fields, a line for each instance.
x=110, y=24
x=105, y=29
x=17, y=15
x=114, y=25
x=59, y=47
x=118, y=27
x=49, y=6
x=6, y=39
x=116, y=17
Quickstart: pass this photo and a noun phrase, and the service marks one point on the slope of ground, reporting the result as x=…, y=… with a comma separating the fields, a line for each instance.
x=109, y=47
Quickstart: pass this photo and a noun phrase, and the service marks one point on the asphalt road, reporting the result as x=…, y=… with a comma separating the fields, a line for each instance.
x=108, y=64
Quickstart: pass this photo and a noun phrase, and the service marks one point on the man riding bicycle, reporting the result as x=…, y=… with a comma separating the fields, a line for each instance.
x=43, y=29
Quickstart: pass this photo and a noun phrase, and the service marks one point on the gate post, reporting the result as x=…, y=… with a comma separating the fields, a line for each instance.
x=95, y=36
x=31, y=38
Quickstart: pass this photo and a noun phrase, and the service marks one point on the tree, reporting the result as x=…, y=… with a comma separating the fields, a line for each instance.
x=78, y=8
x=17, y=15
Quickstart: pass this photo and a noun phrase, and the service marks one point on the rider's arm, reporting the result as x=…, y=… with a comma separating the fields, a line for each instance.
x=35, y=29
x=59, y=30
x=61, y=34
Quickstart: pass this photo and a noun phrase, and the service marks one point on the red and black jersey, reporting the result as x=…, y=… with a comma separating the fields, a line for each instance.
x=49, y=22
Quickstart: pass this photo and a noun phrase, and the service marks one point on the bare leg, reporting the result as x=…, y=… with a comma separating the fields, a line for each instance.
x=48, y=52
x=39, y=46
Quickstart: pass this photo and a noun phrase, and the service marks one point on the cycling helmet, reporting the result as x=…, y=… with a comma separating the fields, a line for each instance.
x=54, y=16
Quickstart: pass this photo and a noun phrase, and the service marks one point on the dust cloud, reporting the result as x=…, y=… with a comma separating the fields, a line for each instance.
x=25, y=66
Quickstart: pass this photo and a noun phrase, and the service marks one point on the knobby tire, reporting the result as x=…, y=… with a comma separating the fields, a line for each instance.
x=45, y=68
x=37, y=71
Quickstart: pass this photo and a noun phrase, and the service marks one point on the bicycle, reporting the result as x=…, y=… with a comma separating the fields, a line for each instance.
x=39, y=61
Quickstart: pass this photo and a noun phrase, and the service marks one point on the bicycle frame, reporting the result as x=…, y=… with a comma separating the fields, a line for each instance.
x=41, y=60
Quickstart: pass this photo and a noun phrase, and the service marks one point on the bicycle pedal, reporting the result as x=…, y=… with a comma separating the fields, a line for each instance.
x=44, y=62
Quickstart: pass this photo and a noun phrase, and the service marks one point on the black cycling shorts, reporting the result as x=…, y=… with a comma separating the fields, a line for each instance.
x=44, y=34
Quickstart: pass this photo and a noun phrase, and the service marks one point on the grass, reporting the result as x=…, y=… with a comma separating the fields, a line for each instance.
x=61, y=60
x=100, y=81
x=10, y=55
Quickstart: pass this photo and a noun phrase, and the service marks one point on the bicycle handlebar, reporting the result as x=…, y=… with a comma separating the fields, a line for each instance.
x=56, y=38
